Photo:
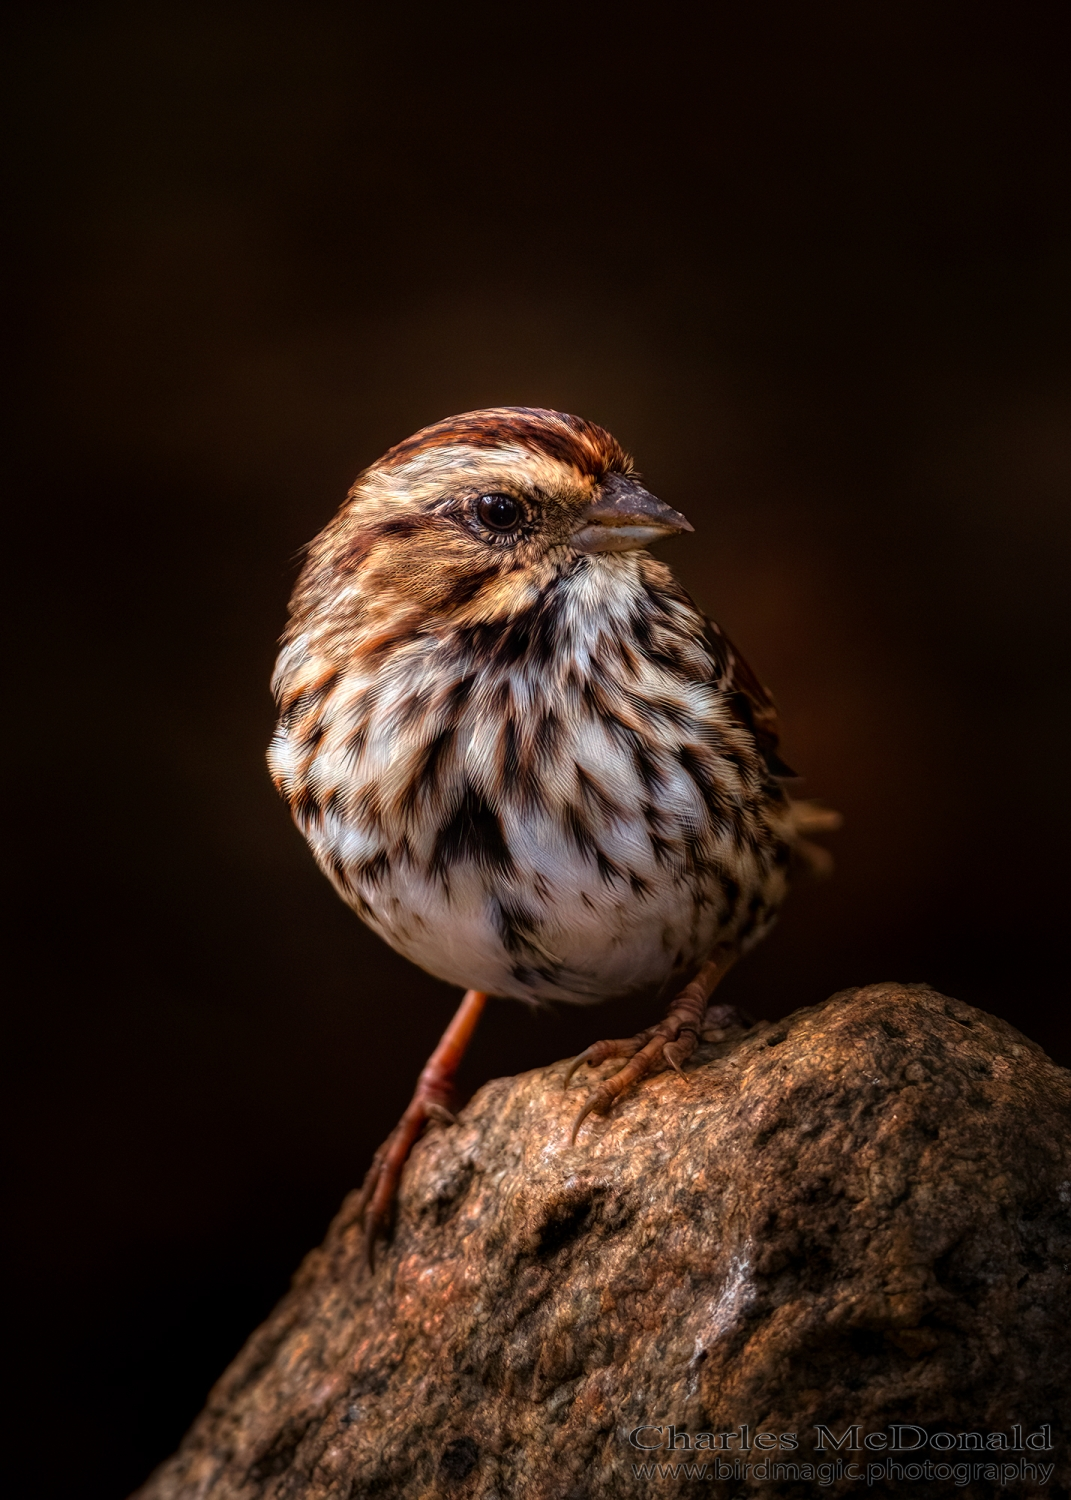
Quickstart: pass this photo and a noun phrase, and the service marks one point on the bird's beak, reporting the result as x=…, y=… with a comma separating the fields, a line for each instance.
x=624, y=516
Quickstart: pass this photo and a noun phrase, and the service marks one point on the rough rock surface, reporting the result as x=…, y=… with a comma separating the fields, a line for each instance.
x=858, y=1215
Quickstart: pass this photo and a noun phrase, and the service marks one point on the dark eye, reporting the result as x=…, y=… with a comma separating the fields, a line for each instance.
x=498, y=512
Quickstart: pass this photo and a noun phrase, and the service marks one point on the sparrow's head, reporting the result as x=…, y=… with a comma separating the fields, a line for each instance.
x=472, y=516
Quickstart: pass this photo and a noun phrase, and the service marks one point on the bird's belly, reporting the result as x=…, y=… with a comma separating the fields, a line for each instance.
x=559, y=925
x=539, y=841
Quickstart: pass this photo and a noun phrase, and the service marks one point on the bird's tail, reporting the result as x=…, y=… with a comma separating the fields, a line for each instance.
x=809, y=817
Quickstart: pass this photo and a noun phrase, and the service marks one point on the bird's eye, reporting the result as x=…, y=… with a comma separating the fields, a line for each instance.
x=498, y=512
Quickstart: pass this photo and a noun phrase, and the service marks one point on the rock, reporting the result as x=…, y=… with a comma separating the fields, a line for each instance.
x=859, y=1216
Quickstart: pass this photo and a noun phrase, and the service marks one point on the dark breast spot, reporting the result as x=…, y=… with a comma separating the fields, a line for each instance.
x=371, y=871
x=306, y=701
x=426, y=773
x=528, y=638
x=472, y=834
x=702, y=776
x=517, y=927
x=305, y=805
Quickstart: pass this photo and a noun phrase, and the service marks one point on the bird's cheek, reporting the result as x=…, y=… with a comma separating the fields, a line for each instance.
x=434, y=586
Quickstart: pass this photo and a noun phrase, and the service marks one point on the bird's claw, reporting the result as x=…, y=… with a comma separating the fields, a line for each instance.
x=674, y=1055
x=599, y=1100
x=581, y=1057
x=646, y=1053
x=598, y=1052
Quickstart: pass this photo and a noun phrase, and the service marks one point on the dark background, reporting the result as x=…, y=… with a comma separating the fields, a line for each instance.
x=809, y=263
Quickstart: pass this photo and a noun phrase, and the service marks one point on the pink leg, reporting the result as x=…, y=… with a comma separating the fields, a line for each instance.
x=672, y=1041
x=430, y=1101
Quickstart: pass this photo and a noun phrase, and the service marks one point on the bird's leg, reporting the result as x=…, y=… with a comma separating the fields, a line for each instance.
x=672, y=1041
x=431, y=1100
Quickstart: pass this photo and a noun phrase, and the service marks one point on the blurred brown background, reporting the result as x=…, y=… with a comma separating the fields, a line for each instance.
x=809, y=263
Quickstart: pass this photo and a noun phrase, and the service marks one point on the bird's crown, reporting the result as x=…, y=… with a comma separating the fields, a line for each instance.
x=555, y=435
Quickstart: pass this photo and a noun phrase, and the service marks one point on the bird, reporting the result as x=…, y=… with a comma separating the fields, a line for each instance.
x=520, y=751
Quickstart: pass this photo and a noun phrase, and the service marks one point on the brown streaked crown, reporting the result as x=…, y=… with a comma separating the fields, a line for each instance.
x=554, y=434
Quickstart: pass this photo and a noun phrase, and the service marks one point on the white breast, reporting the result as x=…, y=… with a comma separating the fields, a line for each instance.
x=596, y=868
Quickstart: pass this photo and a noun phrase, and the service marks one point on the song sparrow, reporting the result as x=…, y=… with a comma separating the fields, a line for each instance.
x=518, y=749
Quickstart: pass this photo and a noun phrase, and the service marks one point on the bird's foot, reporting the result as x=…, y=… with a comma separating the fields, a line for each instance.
x=381, y=1180
x=670, y=1043
x=431, y=1100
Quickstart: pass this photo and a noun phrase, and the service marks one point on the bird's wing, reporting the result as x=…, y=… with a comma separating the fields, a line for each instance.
x=750, y=701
